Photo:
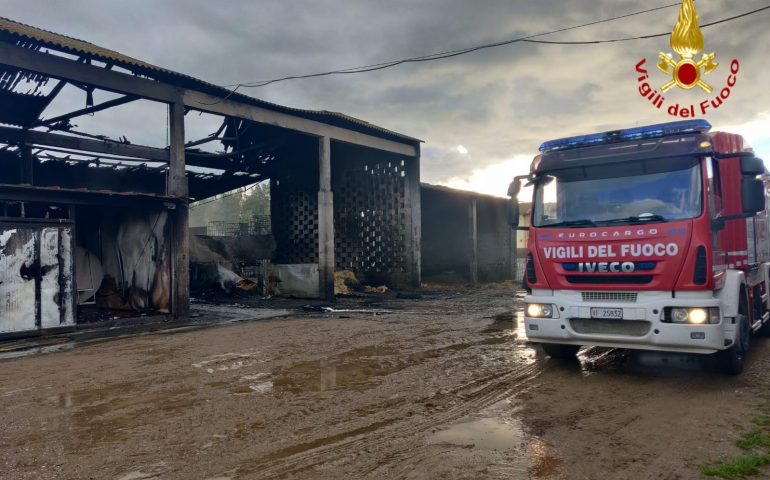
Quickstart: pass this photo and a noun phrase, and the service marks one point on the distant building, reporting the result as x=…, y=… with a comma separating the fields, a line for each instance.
x=465, y=236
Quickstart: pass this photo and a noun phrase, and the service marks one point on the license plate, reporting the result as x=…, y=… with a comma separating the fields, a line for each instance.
x=612, y=313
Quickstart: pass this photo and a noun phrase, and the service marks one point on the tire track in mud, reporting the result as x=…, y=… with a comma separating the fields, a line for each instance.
x=387, y=435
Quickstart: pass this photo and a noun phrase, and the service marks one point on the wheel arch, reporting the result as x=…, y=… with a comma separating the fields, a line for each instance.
x=730, y=295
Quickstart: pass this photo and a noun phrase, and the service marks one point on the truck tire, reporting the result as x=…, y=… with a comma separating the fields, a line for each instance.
x=555, y=350
x=732, y=360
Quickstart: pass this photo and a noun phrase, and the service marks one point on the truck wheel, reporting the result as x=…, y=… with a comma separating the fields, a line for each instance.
x=555, y=350
x=733, y=359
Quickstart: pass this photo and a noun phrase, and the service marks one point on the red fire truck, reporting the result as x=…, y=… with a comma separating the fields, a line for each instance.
x=651, y=238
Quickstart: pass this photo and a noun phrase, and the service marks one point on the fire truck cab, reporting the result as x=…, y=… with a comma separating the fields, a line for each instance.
x=651, y=238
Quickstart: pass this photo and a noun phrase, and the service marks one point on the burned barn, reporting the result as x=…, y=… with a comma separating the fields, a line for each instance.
x=94, y=225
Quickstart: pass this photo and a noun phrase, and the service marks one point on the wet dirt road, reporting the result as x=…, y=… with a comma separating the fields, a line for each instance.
x=443, y=387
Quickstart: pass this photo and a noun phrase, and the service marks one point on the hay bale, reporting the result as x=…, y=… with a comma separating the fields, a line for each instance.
x=343, y=280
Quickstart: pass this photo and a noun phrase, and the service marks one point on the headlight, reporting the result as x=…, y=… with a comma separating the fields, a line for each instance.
x=679, y=315
x=691, y=315
x=540, y=310
x=697, y=315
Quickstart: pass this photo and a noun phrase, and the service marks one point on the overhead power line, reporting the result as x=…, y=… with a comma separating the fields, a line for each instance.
x=527, y=39
x=642, y=37
x=455, y=53
x=447, y=54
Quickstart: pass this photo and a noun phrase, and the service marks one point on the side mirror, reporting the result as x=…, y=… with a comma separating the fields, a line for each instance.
x=515, y=187
x=513, y=204
x=513, y=212
x=752, y=195
x=752, y=166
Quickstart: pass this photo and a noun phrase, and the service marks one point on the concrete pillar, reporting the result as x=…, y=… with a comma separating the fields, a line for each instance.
x=176, y=186
x=325, y=221
x=414, y=216
x=176, y=181
x=473, y=244
x=180, y=278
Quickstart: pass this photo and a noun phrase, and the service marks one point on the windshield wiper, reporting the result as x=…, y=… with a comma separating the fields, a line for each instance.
x=638, y=219
x=573, y=223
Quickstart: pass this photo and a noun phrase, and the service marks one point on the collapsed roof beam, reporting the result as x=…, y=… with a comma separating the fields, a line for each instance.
x=76, y=72
x=63, y=68
x=77, y=197
x=225, y=164
x=85, y=111
x=208, y=139
x=223, y=106
x=18, y=136
x=54, y=92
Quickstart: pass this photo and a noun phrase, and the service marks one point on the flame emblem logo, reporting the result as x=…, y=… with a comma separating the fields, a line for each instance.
x=687, y=42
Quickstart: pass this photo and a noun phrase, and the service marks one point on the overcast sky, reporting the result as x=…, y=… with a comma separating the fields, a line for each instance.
x=482, y=116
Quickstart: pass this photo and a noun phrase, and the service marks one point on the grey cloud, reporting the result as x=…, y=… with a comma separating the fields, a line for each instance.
x=498, y=103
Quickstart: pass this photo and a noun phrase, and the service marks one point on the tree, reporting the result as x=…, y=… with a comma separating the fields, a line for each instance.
x=225, y=209
x=256, y=201
x=238, y=206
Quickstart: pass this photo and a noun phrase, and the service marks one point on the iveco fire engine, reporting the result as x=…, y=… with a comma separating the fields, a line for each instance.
x=651, y=238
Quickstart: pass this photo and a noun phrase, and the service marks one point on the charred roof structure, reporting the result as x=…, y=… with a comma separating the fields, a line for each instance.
x=84, y=216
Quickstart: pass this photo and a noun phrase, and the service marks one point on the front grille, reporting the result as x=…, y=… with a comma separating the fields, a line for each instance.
x=626, y=297
x=609, y=279
x=596, y=326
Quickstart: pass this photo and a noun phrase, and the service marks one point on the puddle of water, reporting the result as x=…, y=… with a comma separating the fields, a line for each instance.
x=483, y=434
x=352, y=370
x=521, y=327
x=250, y=384
x=591, y=360
x=544, y=465
x=108, y=414
x=597, y=360
x=502, y=322
x=262, y=387
x=360, y=369
x=229, y=361
x=320, y=376
x=496, y=430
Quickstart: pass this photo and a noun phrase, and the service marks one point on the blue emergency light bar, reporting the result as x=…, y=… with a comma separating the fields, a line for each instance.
x=637, y=133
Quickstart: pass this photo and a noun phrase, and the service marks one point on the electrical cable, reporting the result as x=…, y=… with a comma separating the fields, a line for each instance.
x=432, y=57
x=527, y=39
x=643, y=37
x=454, y=53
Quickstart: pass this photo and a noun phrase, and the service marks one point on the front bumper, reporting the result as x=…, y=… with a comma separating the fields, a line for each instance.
x=643, y=328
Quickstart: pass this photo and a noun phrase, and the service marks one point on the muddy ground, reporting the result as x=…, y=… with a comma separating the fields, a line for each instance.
x=442, y=387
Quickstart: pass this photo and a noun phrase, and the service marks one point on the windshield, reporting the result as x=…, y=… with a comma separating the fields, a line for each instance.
x=623, y=193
